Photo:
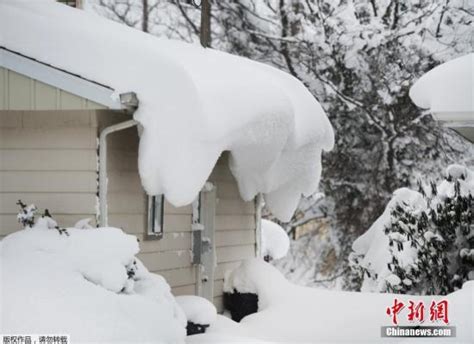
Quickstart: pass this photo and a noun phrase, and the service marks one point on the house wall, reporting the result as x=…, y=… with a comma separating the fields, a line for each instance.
x=171, y=256
x=50, y=158
x=19, y=92
x=235, y=226
x=127, y=208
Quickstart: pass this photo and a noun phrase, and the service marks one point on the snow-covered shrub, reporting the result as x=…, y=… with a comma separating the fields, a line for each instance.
x=26, y=216
x=275, y=241
x=87, y=284
x=244, y=293
x=199, y=312
x=424, y=241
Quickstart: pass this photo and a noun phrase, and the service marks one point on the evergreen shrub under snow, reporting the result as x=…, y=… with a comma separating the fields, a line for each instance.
x=424, y=241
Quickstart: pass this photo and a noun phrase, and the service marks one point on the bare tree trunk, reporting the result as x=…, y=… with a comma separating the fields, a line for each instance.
x=284, y=47
x=145, y=16
x=205, y=34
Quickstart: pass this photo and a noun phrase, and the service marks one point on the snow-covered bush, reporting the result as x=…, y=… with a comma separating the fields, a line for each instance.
x=248, y=277
x=199, y=312
x=26, y=216
x=424, y=241
x=87, y=284
x=275, y=241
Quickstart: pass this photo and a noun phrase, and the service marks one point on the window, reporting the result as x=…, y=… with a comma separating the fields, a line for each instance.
x=71, y=3
x=155, y=217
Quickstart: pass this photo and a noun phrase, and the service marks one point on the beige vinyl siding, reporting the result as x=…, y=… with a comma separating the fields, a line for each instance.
x=19, y=92
x=235, y=227
x=127, y=205
x=171, y=256
x=50, y=159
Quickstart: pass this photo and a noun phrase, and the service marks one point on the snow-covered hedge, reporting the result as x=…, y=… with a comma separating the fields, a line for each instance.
x=87, y=284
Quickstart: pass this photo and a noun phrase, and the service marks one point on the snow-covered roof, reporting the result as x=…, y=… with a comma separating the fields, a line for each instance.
x=448, y=90
x=195, y=103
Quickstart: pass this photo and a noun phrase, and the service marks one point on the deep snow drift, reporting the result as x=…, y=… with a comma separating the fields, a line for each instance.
x=195, y=103
x=291, y=313
x=86, y=283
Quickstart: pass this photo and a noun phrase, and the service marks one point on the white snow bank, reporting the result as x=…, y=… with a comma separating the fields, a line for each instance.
x=197, y=309
x=294, y=314
x=86, y=283
x=447, y=88
x=225, y=330
x=195, y=103
x=275, y=241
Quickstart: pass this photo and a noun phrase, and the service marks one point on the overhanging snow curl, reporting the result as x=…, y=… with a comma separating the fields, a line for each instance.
x=195, y=103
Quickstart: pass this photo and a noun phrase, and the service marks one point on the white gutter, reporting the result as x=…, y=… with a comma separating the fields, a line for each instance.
x=103, y=217
x=258, y=225
x=129, y=101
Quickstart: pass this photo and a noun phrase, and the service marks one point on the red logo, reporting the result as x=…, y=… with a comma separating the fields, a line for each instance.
x=394, y=310
x=439, y=311
x=416, y=311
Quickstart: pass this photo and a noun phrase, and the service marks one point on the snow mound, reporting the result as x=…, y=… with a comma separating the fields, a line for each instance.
x=275, y=241
x=295, y=314
x=448, y=87
x=257, y=277
x=85, y=283
x=195, y=103
x=198, y=310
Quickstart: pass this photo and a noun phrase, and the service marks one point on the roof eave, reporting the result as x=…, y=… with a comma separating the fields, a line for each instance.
x=58, y=78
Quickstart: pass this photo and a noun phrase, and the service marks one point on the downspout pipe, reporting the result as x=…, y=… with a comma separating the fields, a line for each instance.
x=131, y=106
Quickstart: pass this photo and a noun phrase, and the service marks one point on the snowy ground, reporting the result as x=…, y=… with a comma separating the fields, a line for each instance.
x=88, y=284
x=290, y=313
